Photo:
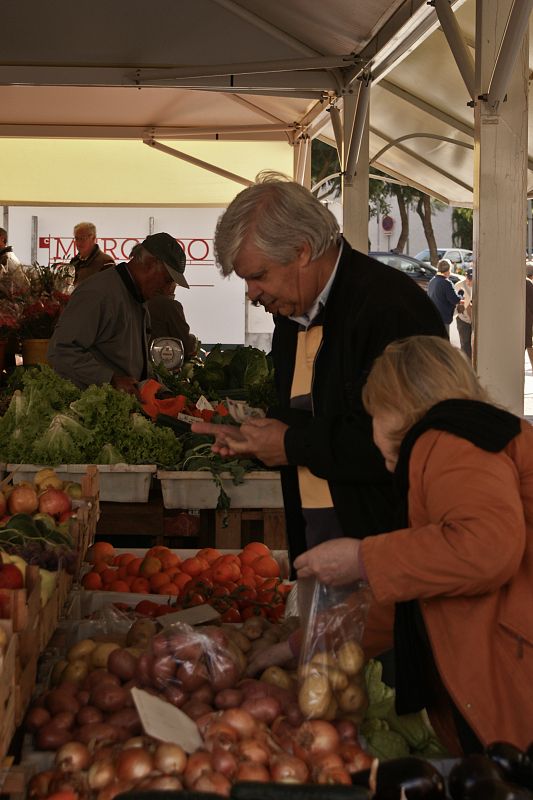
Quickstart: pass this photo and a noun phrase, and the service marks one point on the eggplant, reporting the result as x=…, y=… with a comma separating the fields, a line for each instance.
x=418, y=779
x=490, y=789
x=468, y=772
x=515, y=765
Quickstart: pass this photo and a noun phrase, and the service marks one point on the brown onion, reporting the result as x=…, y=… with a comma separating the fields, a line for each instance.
x=48, y=737
x=228, y=698
x=224, y=761
x=264, y=709
x=288, y=769
x=241, y=720
x=252, y=772
x=192, y=676
x=205, y=694
x=176, y=695
x=73, y=757
x=195, y=709
x=197, y=764
x=170, y=759
x=213, y=782
x=101, y=774
x=338, y=775
x=314, y=737
x=254, y=751
x=354, y=757
x=346, y=729
x=164, y=783
x=133, y=764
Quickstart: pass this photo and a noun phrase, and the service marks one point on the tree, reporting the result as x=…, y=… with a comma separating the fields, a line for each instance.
x=462, y=221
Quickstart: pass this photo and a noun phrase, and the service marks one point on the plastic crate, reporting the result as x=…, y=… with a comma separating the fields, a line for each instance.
x=198, y=490
x=119, y=483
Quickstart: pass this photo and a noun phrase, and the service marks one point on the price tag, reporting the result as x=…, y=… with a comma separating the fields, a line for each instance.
x=203, y=404
x=191, y=616
x=165, y=722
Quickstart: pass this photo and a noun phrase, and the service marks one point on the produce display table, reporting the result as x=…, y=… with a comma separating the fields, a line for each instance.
x=119, y=483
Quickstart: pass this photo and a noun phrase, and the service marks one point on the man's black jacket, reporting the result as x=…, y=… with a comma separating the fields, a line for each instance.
x=370, y=305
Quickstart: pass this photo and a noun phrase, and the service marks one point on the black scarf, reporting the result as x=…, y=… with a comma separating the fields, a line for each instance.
x=488, y=428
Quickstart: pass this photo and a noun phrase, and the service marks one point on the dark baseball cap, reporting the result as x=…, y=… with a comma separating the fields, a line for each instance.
x=469, y=272
x=166, y=248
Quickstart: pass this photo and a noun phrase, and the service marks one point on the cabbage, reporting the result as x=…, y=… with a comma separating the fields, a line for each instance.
x=62, y=443
x=109, y=455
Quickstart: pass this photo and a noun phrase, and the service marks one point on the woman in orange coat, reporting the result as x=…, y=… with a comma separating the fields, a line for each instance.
x=453, y=584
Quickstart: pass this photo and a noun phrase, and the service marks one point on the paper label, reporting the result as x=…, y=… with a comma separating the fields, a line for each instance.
x=165, y=722
x=191, y=616
x=188, y=418
x=241, y=411
x=203, y=404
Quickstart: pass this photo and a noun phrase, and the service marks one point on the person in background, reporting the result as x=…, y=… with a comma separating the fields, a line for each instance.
x=89, y=259
x=167, y=319
x=442, y=293
x=8, y=261
x=101, y=336
x=529, y=314
x=335, y=309
x=464, y=318
x=453, y=584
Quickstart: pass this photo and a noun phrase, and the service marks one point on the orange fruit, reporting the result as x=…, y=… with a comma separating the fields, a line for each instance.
x=169, y=559
x=119, y=586
x=209, y=554
x=122, y=573
x=259, y=548
x=101, y=551
x=125, y=559
x=266, y=567
x=181, y=580
x=92, y=580
x=193, y=566
x=149, y=566
x=158, y=580
x=100, y=566
x=140, y=585
x=108, y=576
x=157, y=550
x=169, y=588
x=133, y=566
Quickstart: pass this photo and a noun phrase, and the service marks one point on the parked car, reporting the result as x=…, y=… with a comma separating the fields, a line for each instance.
x=460, y=258
x=417, y=270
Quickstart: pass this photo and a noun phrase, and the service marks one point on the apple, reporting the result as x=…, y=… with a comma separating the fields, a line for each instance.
x=54, y=502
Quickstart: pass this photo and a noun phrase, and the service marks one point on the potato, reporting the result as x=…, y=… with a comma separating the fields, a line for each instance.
x=101, y=653
x=315, y=696
x=57, y=672
x=337, y=678
x=324, y=658
x=75, y=671
x=350, y=657
x=331, y=711
x=242, y=641
x=253, y=627
x=81, y=649
x=352, y=699
x=140, y=633
x=277, y=677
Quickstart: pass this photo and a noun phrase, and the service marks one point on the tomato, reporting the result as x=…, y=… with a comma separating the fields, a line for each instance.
x=147, y=608
x=266, y=566
x=231, y=615
x=182, y=580
x=200, y=584
x=194, y=599
x=252, y=611
x=221, y=591
x=275, y=613
x=164, y=609
x=271, y=583
x=244, y=594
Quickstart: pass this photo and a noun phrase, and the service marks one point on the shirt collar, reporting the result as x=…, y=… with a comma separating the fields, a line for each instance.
x=306, y=319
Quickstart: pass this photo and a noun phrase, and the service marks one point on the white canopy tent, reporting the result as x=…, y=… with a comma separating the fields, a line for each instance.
x=288, y=71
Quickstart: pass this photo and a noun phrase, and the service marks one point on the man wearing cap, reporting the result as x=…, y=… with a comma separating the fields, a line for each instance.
x=464, y=317
x=102, y=335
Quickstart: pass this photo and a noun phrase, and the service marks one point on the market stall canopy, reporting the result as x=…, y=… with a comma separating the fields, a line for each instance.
x=225, y=70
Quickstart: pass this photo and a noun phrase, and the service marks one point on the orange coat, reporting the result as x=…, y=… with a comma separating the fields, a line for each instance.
x=468, y=558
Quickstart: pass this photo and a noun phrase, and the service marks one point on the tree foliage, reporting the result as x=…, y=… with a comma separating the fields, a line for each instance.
x=462, y=222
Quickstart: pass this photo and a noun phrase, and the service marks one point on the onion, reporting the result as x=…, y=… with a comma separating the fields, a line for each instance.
x=224, y=761
x=205, y=694
x=164, y=783
x=219, y=729
x=327, y=761
x=23, y=500
x=49, y=737
x=170, y=759
x=73, y=757
x=213, y=782
x=252, y=772
x=136, y=741
x=264, y=709
x=127, y=718
x=338, y=775
x=194, y=709
x=241, y=720
x=133, y=764
x=39, y=784
x=346, y=729
x=289, y=769
x=36, y=718
x=197, y=764
x=101, y=774
x=254, y=751
x=111, y=791
x=54, y=502
x=355, y=758
x=176, y=695
x=228, y=698
x=315, y=737
x=97, y=732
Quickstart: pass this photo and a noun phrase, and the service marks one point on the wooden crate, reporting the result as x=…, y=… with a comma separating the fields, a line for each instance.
x=24, y=604
x=25, y=679
x=83, y=526
x=49, y=618
x=237, y=527
x=7, y=689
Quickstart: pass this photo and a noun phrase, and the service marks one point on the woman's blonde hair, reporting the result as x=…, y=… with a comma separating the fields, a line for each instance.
x=412, y=375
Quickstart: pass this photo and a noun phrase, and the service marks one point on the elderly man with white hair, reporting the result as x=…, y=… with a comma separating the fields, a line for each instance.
x=89, y=259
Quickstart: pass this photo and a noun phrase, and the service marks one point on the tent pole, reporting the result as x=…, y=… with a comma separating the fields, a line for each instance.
x=500, y=213
x=355, y=191
x=336, y=123
x=352, y=150
x=197, y=162
x=461, y=53
x=517, y=26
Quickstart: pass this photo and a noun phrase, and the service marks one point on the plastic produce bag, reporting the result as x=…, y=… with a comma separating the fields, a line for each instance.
x=330, y=673
x=190, y=665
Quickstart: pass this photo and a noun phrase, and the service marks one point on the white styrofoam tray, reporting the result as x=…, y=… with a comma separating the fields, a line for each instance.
x=198, y=490
x=119, y=483
x=83, y=603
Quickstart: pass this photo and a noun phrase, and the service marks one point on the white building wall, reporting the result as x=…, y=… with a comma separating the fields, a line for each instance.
x=442, y=225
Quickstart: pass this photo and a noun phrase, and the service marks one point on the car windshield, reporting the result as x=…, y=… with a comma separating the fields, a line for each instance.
x=424, y=255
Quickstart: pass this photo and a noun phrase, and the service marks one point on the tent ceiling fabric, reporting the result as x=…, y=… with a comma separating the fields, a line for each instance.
x=64, y=74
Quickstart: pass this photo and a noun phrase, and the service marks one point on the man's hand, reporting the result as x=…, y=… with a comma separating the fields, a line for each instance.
x=125, y=383
x=261, y=438
x=335, y=562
